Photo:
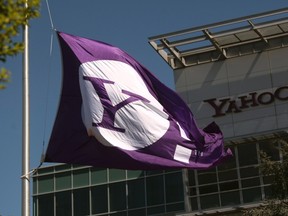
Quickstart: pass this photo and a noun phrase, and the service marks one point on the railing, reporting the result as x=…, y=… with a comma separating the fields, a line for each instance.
x=223, y=39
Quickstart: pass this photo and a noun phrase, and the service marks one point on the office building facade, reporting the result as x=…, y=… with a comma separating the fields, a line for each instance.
x=234, y=73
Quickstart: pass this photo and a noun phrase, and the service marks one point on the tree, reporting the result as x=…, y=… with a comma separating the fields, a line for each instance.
x=278, y=170
x=13, y=15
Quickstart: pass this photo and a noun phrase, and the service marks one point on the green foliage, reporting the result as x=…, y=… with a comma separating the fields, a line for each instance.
x=279, y=171
x=278, y=204
x=271, y=208
x=13, y=15
x=4, y=77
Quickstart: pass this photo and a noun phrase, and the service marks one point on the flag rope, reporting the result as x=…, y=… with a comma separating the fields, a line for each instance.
x=48, y=89
x=30, y=173
x=50, y=17
x=48, y=85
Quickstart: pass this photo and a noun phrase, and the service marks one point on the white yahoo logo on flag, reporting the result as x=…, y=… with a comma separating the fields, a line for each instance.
x=117, y=107
x=110, y=110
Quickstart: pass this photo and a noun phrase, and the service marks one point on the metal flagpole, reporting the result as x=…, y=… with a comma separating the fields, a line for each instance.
x=25, y=126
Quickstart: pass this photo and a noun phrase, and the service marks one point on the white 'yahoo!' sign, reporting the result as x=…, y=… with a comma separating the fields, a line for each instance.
x=252, y=99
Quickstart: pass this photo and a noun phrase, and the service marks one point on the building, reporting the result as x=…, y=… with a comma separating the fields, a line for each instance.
x=235, y=73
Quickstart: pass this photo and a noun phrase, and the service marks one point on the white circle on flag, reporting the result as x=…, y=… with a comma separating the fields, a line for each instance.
x=144, y=121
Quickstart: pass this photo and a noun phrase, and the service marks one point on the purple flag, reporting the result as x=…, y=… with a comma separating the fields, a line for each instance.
x=114, y=113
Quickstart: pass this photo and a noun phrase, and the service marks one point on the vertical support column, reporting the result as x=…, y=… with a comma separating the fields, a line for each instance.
x=186, y=190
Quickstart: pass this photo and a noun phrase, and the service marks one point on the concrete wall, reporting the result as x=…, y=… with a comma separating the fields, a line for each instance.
x=255, y=78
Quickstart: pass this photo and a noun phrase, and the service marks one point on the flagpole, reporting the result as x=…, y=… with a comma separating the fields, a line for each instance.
x=25, y=126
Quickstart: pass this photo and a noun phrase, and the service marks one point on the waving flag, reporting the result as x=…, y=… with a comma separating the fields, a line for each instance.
x=114, y=113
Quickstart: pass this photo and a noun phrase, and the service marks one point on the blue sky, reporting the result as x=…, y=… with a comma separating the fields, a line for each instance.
x=123, y=23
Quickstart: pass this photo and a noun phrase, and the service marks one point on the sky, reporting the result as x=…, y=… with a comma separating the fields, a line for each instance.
x=123, y=23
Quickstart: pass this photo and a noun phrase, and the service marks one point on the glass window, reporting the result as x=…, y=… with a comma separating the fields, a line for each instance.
x=207, y=176
x=81, y=202
x=35, y=206
x=174, y=187
x=155, y=210
x=135, y=173
x=210, y=201
x=34, y=185
x=63, y=203
x=192, y=191
x=247, y=154
x=45, y=170
x=80, y=178
x=226, y=186
x=251, y=195
x=227, y=175
x=211, y=188
x=249, y=172
x=191, y=176
x=175, y=207
x=117, y=174
x=136, y=193
x=154, y=172
x=46, y=205
x=230, y=198
x=155, y=190
x=63, y=180
x=98, y=176
x=172, y=170
x=250, y=182
x=138, y=212
x=99, y=198
x=117, y=194
x=45, y=183
x=194, y=203
x=124, y=213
